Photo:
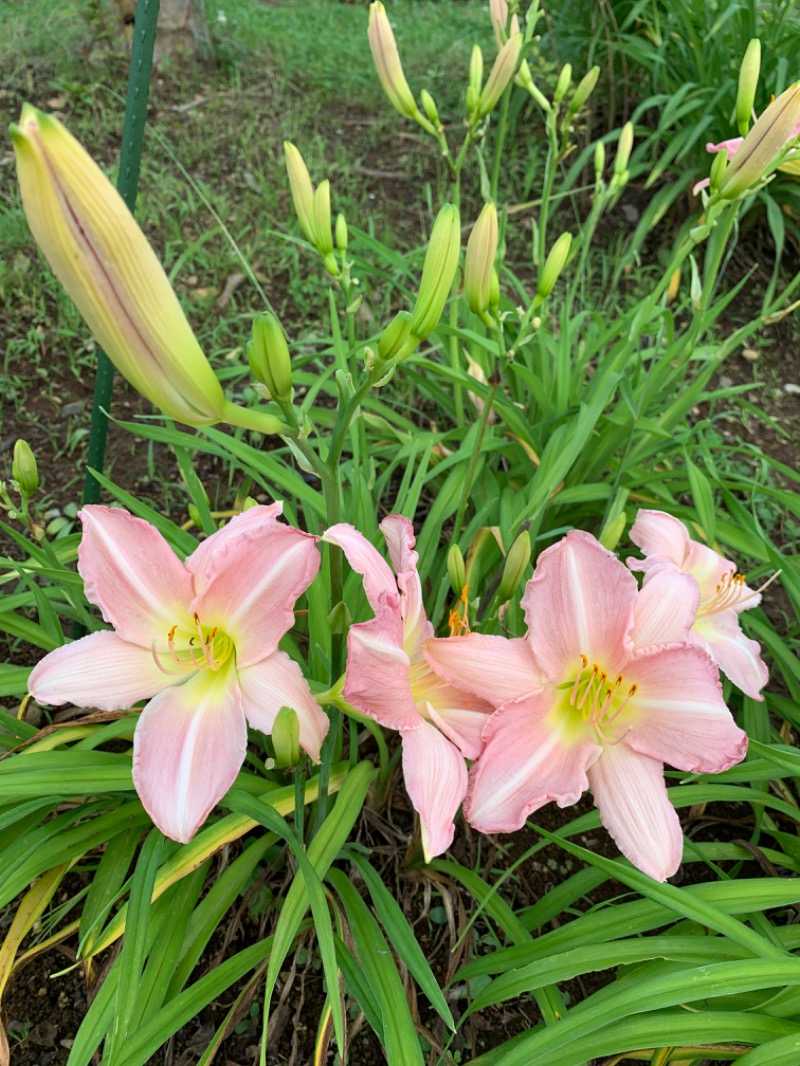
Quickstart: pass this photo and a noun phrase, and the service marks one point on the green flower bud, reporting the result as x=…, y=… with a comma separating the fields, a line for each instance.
x=494, y=290
x=395, y=337
x=456, y=569
x=612, y=532
x=501, y=74
x=695, y=286
x=23, y=468
x=563, y=83
x=760, y=149
x=476, y=69
x=286, y=737
x=473, y=100
x=339, y=619
x=269, y=359
x=322, y=219
x=479, y=263
x=341, y=233
x=301, y=188
x=517, y=560
x=438, y=272
x=553, y=266
x=718, y=169
x=584, y=90
x=748, y=83
x=430, y=108
x=624, y=147
x=599, y=161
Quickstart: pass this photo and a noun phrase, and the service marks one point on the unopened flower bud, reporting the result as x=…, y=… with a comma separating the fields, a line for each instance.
x=286, y=737
x=387, y=62
x=341, y=233
x=473, y=99
x=599, y=161
x=498, y=13
x=395, y=337
x=501, y=74
x=563, y=83
x=430, y=108
x=624, y=148
x=476, y=69
x=301, y=188
x=322, y=218
x=438, y=272
x=718, y=169
x=269, y=359
x=696, y=286
x=517, y=560
x=479, y=263
x=23, y=468
x=612, y=532
x=748, y=83
x=339, y=619
x=494, y=290
x=553, y=266
x=584, y=90
x=456, y=570
x=760, y=149
x=103, y=260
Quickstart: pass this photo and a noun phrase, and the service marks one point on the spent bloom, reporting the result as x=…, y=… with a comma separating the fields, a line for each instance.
x=103, y=260
x=197, y=639
x=601, y=692
x=723, y=594
x=389, y=680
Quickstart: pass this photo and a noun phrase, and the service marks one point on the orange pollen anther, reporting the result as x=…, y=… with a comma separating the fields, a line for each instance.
x=732, y=591
x=600, y=701
x=458, y=622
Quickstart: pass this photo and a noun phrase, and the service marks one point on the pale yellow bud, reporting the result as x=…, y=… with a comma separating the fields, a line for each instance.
x=517, y=561
x=759, y=151
x=748, y=83
x=476, y=70
x=553, y=265
x=430, y=108
x=563, y=83
x=501, y=74
x=301, y=188
x=387, y=62
x=479, y=263
x=105, y=263
x=584, y=90
x=624, y=148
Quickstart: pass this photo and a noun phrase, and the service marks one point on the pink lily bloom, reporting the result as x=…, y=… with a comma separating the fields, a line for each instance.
x=666, y=544
x=389, y=680
x=197, y=639
x=600, y=693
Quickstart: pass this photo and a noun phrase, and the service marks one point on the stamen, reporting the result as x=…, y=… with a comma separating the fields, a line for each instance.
x=732, y=591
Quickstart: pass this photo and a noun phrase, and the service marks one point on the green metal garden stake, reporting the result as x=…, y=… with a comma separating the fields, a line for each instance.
x=141, y=67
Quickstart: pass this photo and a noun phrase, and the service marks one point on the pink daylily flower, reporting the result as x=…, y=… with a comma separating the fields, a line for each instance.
x=389, y=680
x=197, y=639
x=666, y=544
x=601, y=692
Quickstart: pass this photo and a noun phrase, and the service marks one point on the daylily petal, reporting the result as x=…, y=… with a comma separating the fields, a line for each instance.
x=436, y=780
x=737, y=656
x=526, y=762
x=731, y=146
x=365, y=560
x=665, y=609
x=133, y=575
x=462, y=726
x=377, y=682
x=681, y=718
x=631, y=796
x=250, y=584
x=494, y=668
x=579, y=601
x=278, y=682
x=188, y=747
x=663, y=538
x=253, y=518
x=100, y=670
x=399, y=534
